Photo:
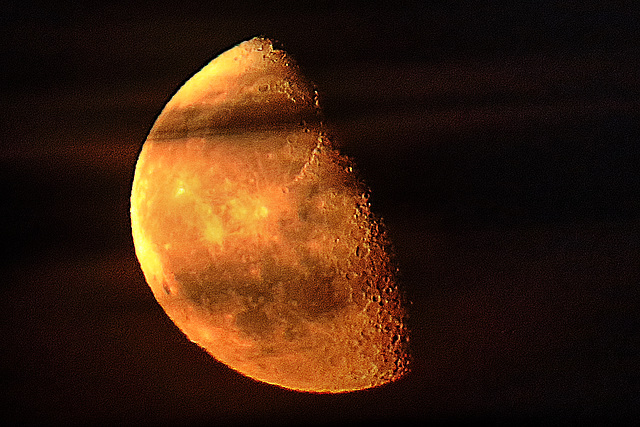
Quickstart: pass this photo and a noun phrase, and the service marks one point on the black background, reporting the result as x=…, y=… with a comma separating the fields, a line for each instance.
x=500, y=140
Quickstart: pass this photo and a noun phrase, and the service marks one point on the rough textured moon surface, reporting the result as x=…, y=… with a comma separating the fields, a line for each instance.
x=256, y=235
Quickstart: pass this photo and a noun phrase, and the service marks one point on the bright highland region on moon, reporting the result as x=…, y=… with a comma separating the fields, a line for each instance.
x=256, y=235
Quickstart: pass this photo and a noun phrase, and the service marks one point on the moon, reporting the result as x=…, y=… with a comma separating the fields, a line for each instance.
x=256, y=236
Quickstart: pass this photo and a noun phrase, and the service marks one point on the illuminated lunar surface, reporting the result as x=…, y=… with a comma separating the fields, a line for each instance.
x=256, y=236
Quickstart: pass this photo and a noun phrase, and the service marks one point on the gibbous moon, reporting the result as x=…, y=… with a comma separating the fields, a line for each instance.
x=256, y=235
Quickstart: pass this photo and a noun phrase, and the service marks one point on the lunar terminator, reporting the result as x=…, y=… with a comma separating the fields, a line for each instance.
x=256, y=235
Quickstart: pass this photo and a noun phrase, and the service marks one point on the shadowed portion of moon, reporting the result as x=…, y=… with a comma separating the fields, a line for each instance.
x=256, y=235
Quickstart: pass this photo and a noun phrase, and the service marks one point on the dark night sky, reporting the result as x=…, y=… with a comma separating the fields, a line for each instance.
x=502, y=146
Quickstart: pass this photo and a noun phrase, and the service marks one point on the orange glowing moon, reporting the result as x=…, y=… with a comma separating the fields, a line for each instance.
x=256, y=235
